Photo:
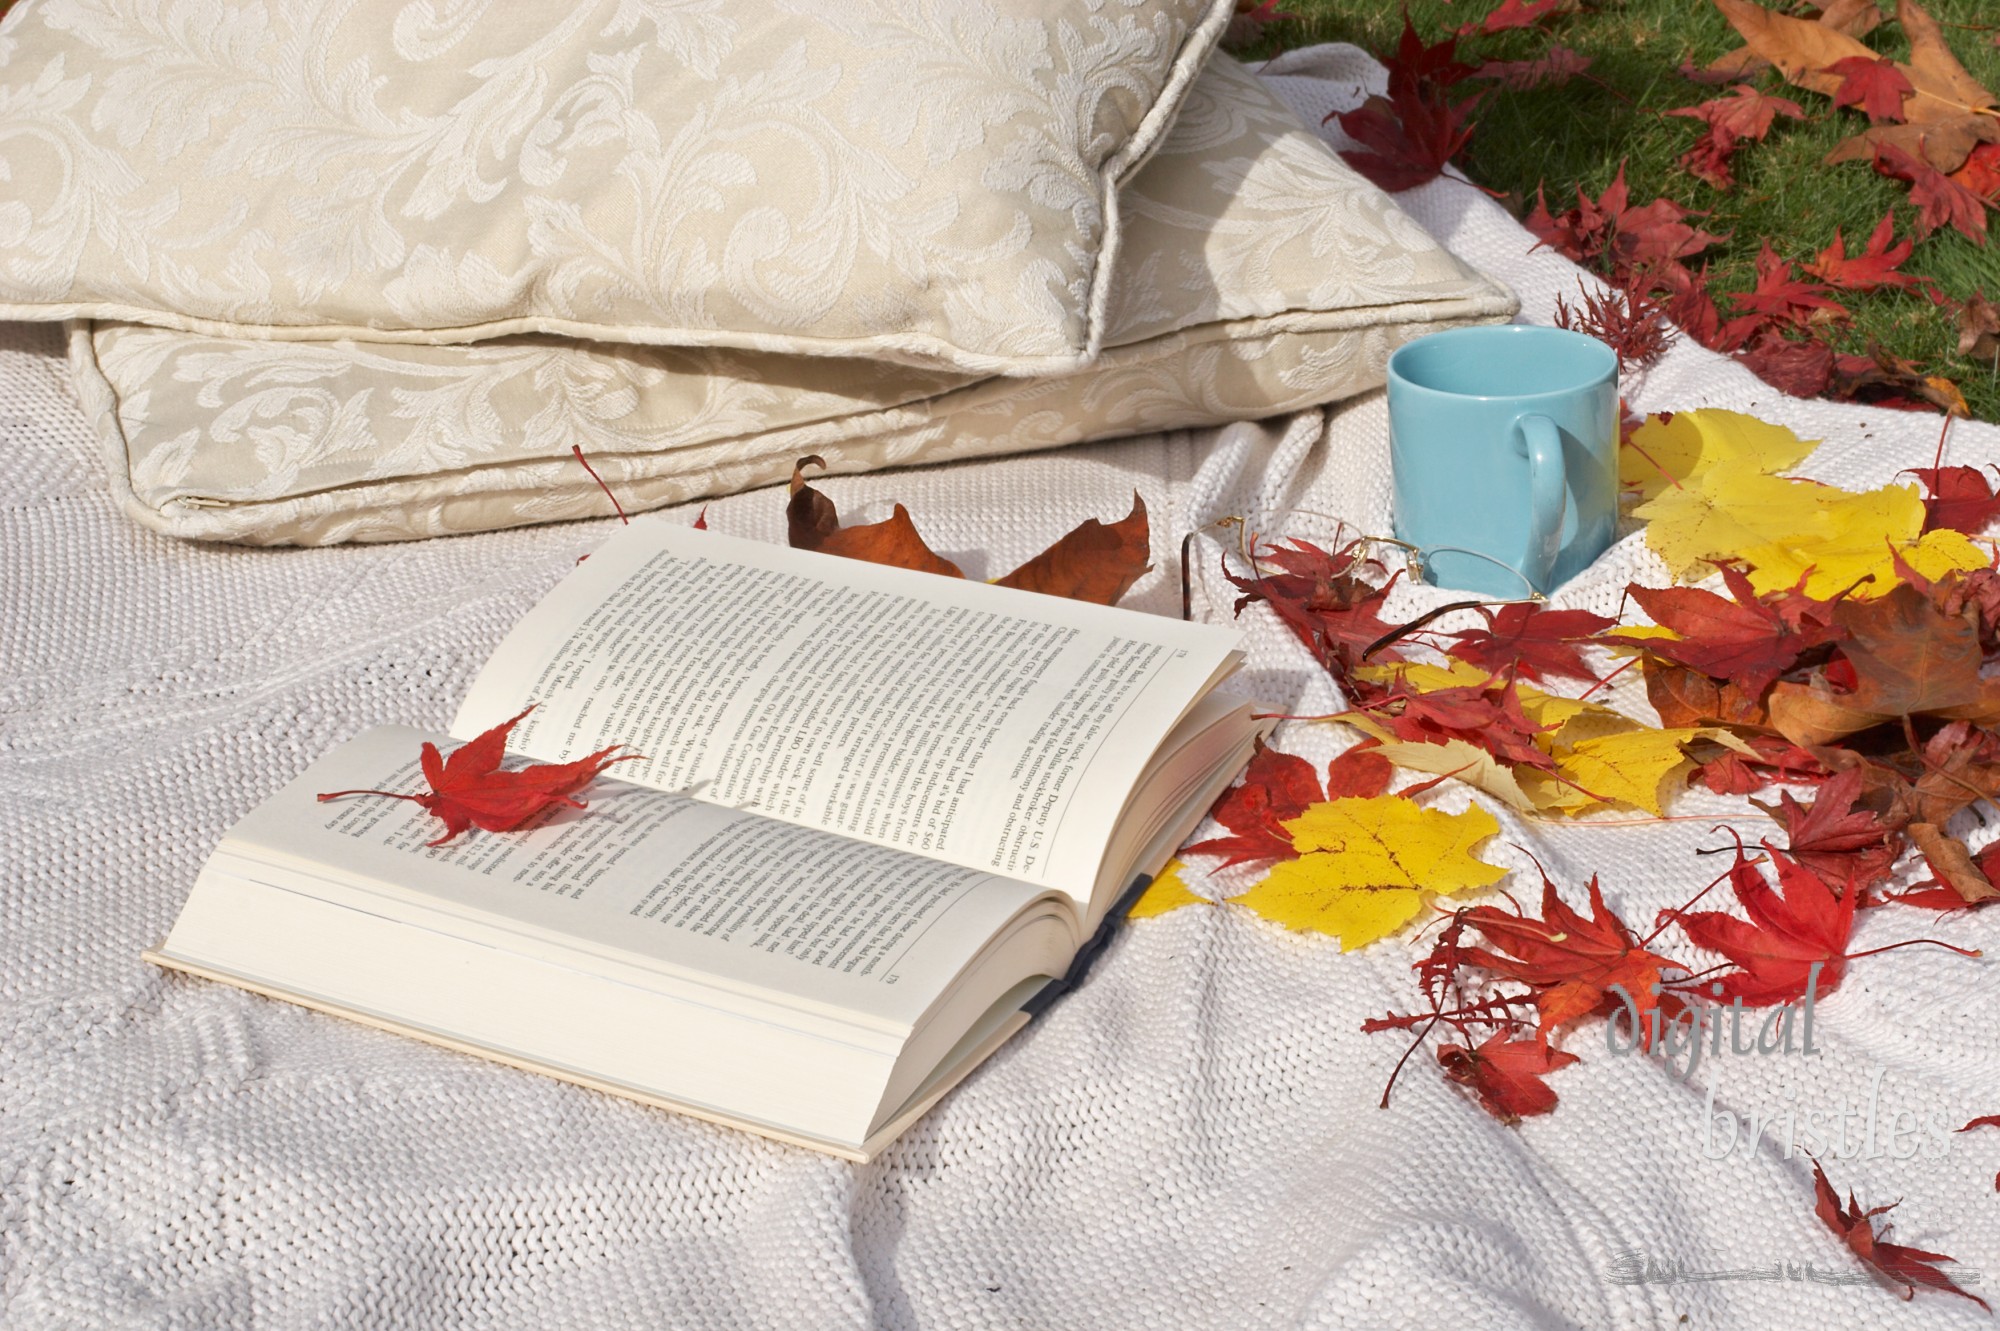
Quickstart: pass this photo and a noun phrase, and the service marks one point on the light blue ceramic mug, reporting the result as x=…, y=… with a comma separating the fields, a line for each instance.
x=1503, y=444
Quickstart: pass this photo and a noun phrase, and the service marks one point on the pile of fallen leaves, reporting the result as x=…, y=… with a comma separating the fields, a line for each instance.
x=1924, y=122
x=1848, y=646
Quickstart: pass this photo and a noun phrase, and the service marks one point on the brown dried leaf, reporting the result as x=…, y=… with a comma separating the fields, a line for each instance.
x=813, y=523
x=1932, y=65
x=1096, y=562
x=1945, y=144
x=1952, y=862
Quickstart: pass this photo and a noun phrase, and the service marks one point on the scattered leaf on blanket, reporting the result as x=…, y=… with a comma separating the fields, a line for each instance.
x=1792, y=532
x=1908, y=658
x=1624, y=318
x=1668, y=449
x=1096, y=561
x=1328, y=598
x=1629, y=767
x=1952, y=865
x=1276, y=786
x=1166, y=892
x=1790, y=930
x=1908, y=1267
x=1989, y=1121
x=1364, y=866
x=1612, y=231
x=471, y=789
x=1849, y=847
x=1958, y=499
x=1875, y=267
x=1506, y=1074
x=1531, y=641
x=1743, y=638
x=813, y=523
x=1569, y=960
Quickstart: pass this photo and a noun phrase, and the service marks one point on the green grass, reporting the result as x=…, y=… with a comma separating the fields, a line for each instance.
x=1578, y=133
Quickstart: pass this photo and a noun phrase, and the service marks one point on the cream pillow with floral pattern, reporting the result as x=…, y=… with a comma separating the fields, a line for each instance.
x=1261, y=275
x=928, y=181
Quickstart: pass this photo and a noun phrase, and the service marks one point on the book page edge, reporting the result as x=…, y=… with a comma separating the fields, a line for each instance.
x=868, y=1150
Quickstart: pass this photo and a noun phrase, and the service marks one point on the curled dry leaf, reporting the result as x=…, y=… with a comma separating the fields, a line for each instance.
x=1908, y=1267
x=1096, y=561
x=1953, y=864
x=813, y=523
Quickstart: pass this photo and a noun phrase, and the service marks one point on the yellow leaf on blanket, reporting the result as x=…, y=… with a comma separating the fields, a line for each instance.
x=1664, y=451
x=1166, y=892
x=1631, y=767
x=1785, y=530
x=1365, y=865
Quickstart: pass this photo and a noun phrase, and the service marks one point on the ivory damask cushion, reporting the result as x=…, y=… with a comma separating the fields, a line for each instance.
x=1261, y=275
x=931, y=181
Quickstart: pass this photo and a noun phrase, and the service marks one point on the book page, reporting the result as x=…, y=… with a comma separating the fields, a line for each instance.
x=989, y=728
x=734, y=899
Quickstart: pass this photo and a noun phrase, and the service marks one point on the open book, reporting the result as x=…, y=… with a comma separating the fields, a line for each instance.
x=878, y=813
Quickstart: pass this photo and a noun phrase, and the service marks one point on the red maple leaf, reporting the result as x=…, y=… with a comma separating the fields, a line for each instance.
x=1745, y=113
x=1981, y=172
x=1940, y=200
x=1850, y=847
x=1788, y=933
x=1569, y=961
x=1324, y=598
x=1608, y=229
x=1512, y=14
x=1532, y=640
x=1959, y=499
x=1506, y=1074
x=1779, y=298
x=1277, y=787
x=1746, y=639
x=1406, y=139
x=1871, y=83
x=1554, y=67
x=1871, y=269
x=1802, y=367
x=1908, y=1267
x=471, y=789
x=1732, y=773
x=1487, y=716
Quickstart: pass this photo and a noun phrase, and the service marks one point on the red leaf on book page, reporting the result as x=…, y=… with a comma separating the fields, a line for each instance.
x=1908, y=1267
x=471, y=789
x=1506, y=1074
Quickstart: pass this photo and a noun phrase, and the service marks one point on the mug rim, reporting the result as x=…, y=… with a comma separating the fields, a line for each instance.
x=1609, y=370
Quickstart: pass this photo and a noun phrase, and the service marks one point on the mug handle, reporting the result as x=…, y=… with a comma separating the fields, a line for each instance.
x=1541, y=445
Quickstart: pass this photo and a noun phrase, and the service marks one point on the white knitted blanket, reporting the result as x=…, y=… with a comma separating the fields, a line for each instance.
x=1189, y=1140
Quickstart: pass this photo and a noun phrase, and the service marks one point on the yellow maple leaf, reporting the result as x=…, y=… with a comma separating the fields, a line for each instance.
x=1166, y=892
x=1663, y=452
x=1365, y=865
x=1782, y=528
x=1626, y=767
